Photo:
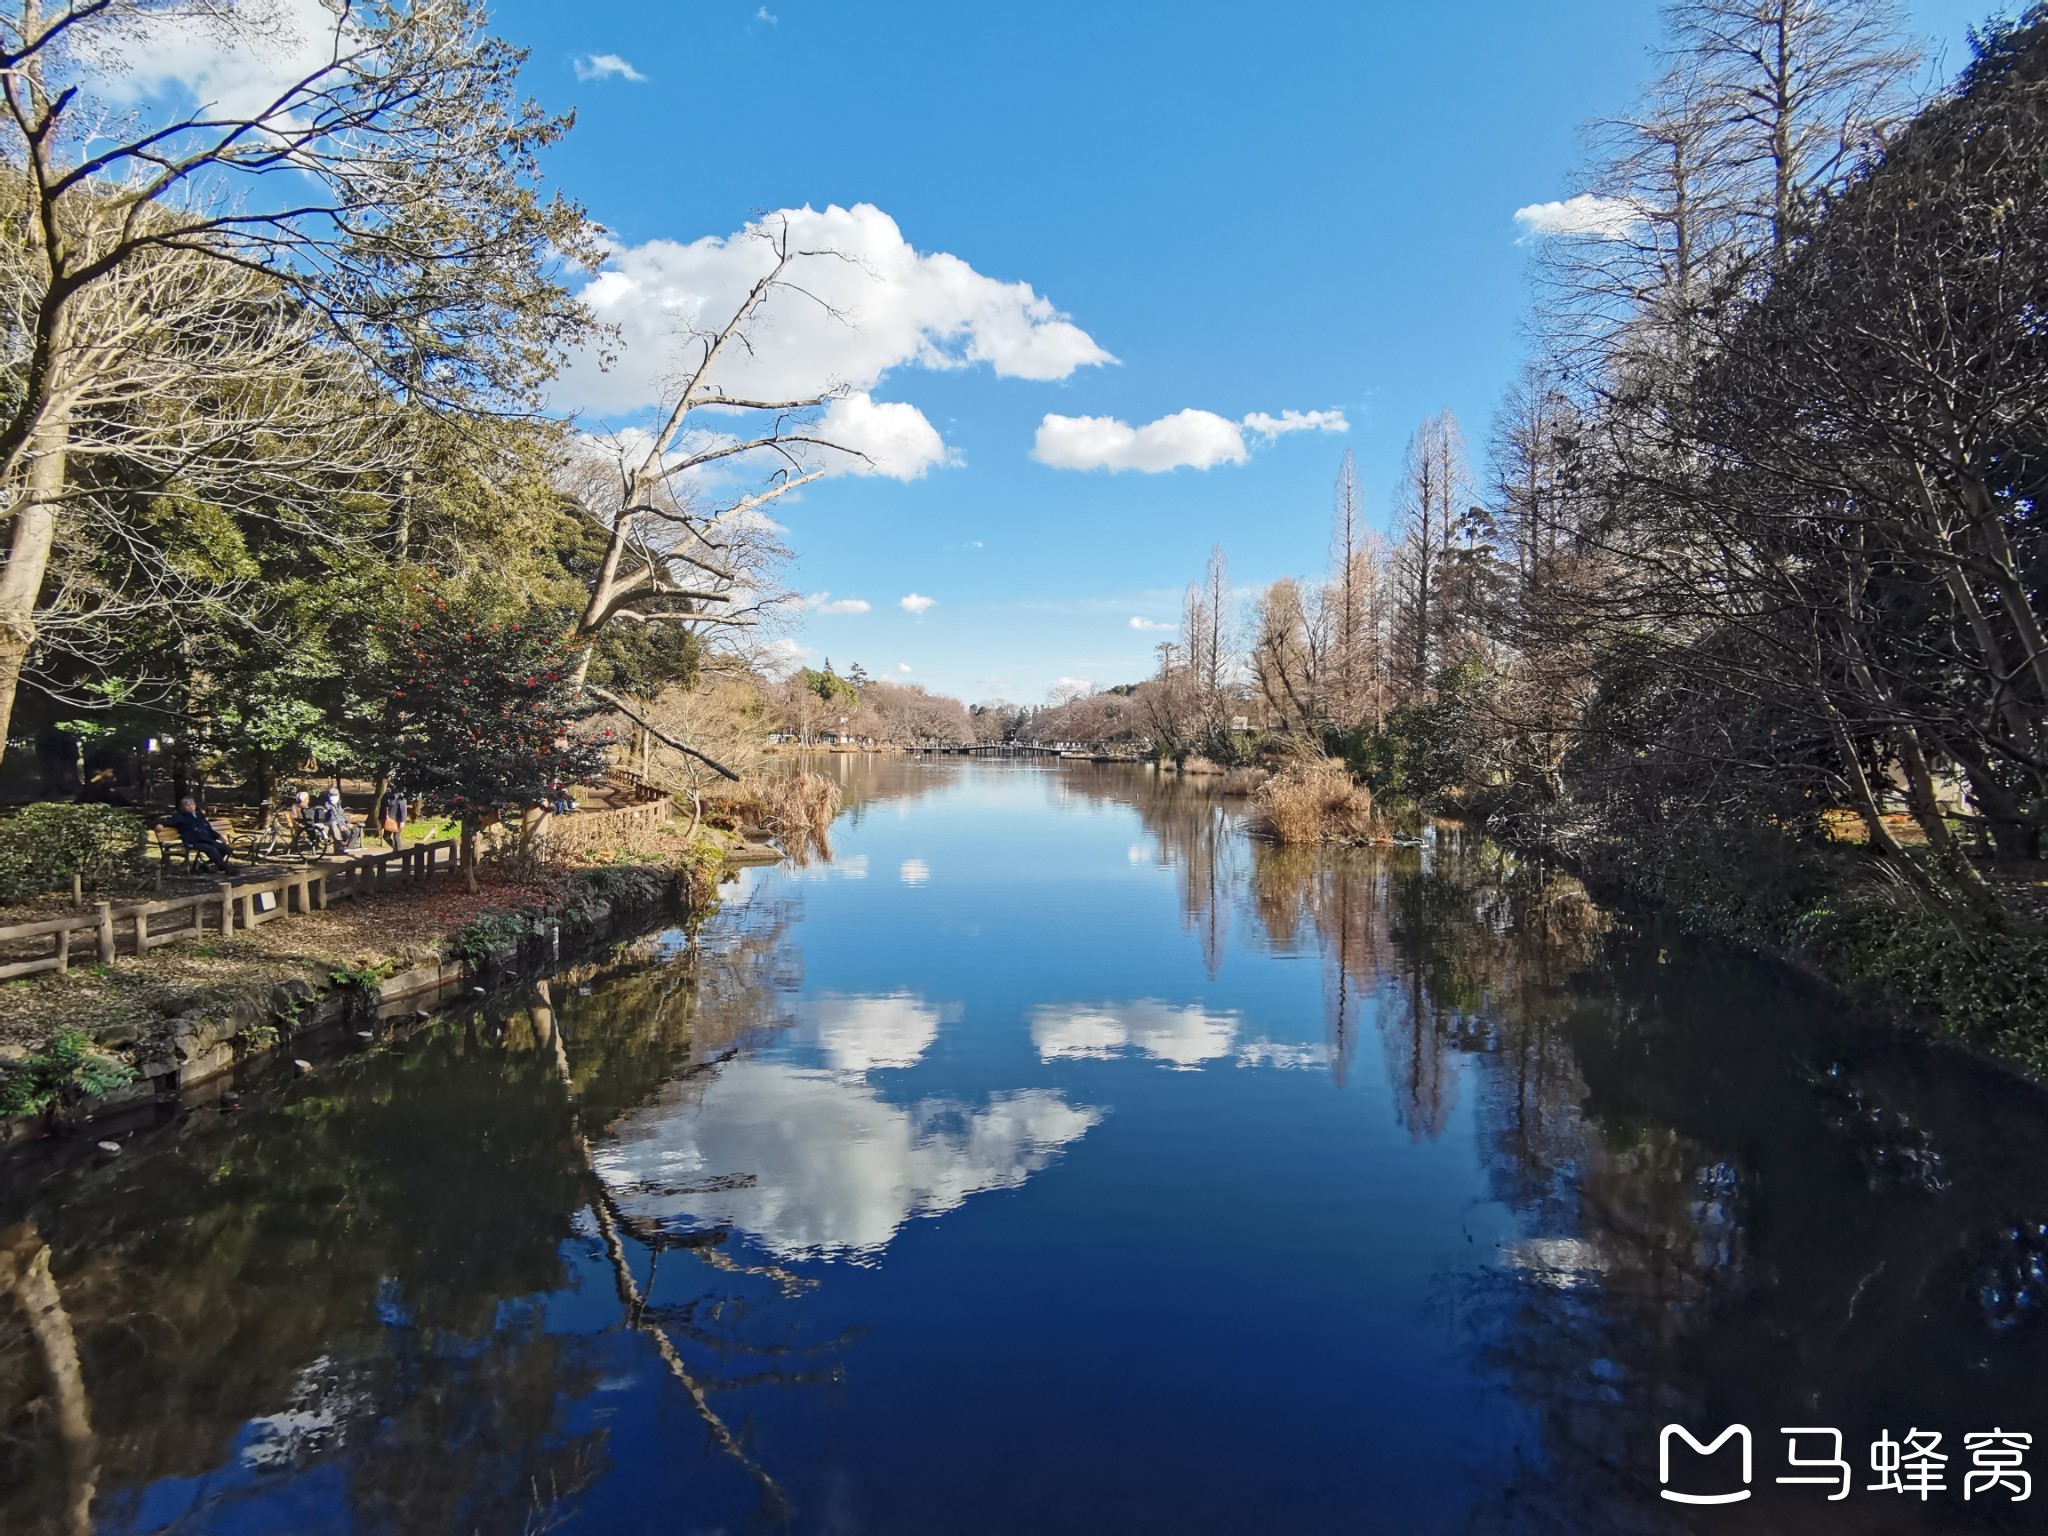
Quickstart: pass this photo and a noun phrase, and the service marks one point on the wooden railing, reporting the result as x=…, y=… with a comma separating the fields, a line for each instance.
x=643, y=790
x=135, y=930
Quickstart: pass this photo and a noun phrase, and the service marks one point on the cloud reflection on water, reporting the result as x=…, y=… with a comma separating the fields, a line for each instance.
x=861, y=1033
x=1182, y=1037
x=815, y=1164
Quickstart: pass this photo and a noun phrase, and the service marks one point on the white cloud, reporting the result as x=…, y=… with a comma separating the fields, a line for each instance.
x=1064, y=688
x=903, y=666
x=915, y=602
x=1604, y=218
x=764, y=14
x=816, y=1164
x=1143, y=623
x=898, y=441
x=825, y=602
x=605, y=66
x=1199, y=439
x=876, y=304
x=1182, y=1038
x=1270, y=427
x=238, y=59
x=1187, y=439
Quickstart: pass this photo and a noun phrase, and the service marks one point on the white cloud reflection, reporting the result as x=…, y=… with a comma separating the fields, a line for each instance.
x=857, y=1034
x=1285, y=1054
x=814, y=1164
x=1181, y=1037
x=1184, y=1038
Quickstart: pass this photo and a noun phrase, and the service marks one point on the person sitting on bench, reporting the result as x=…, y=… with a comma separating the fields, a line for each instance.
x=341, y=833
x=197, y=833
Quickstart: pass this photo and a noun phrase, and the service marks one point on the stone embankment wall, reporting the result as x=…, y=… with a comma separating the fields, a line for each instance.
x=194, y=1053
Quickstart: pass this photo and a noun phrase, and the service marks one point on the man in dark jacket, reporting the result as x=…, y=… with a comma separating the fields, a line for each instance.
x=341, y=833
x=197, y=833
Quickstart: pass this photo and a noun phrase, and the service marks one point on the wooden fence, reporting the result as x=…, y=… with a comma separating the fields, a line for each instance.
x=570, y=837
x=136, y=930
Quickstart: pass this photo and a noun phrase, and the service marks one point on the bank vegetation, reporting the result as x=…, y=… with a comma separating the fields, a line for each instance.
x=1744, y=612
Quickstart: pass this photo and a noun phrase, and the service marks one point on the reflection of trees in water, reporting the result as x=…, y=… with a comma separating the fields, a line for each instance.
x=364, y=1228
x=1721, y=1207
x=651, y=1027
x=1720, y=1203
x=1728, y=1205
x=1449, y=950
x=344, y=1277
x=1196, y=832
x=27, y=1285
x=1480, y=968
x=866, y=781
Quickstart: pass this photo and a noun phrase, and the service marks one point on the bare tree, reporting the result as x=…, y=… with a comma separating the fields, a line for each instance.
x=1350, y=602
x=1798, y=92
x=1434, y=493
x=673, y=555
x=1218, y=642
x=1292, y=654
x=1660, y=249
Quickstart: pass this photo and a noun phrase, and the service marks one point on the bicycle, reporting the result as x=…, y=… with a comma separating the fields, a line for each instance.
x=284, y=836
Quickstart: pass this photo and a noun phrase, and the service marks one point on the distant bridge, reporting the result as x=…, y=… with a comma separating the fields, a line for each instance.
x=1060, y=749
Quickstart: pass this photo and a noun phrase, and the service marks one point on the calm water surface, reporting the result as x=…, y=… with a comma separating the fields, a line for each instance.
x=1054, y=1159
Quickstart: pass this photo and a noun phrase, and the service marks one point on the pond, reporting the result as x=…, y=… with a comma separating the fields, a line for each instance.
x=1058, y=1158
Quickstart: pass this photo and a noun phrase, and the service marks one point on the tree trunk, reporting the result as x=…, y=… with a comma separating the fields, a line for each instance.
x=1927, y=812
x=2014, y=835
x=29, y=542
x=468, y=850
x=1861, y=795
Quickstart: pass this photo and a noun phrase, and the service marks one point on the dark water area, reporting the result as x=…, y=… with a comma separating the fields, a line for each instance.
x=1056, y=1158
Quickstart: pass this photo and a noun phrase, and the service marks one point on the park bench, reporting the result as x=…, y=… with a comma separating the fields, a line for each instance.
x=170, y=847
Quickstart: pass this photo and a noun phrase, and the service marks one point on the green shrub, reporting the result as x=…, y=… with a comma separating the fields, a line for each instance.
x=364, y=978
x=64, y=1075
x=488, y=932
x=1872, y=925
x=1982, y=982
x=42, y=846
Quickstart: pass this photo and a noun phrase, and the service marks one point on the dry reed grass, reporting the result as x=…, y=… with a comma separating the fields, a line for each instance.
x=796, y=810
x=1313, y=801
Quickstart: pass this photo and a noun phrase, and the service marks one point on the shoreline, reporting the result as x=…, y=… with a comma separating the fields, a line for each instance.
x=203, y=1036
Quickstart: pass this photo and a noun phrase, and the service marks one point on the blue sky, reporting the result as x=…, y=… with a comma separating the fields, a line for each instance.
x=1255, y=209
